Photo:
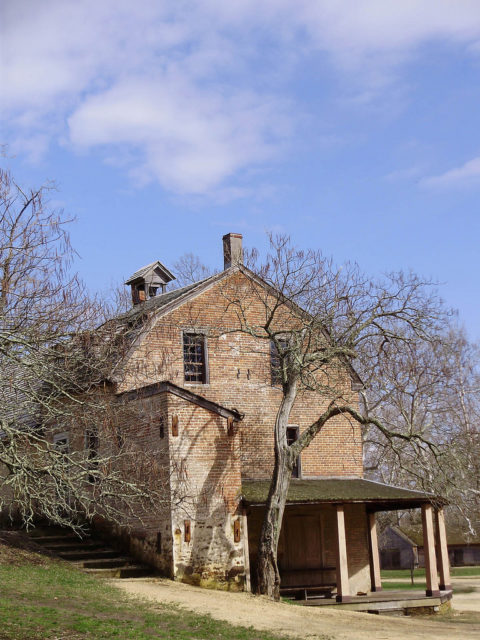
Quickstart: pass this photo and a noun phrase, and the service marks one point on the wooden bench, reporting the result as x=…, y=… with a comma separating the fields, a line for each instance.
x=295, y=583
x=301, y=592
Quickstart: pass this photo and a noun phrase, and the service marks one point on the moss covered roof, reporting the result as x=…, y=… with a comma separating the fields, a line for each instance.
x=458, y=533
x=255, y=492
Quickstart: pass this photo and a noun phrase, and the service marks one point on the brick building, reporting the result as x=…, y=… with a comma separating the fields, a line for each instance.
x=205, y=399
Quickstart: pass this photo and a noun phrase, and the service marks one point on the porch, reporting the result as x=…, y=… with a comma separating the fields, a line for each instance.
x=387, y=602
x=328, y=549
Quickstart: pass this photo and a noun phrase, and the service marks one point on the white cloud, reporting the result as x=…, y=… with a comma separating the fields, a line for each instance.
x=194, y=91
x=399, y=175
x=466, y=175
x=189, y=139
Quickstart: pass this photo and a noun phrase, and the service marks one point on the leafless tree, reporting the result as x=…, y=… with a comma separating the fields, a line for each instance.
x=54, y=364
x=188, y=269
x=321, y=320
x=433, y=389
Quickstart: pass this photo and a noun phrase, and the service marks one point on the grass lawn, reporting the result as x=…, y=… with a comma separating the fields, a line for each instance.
x=390, y=577
x=456, y=572
x=418, y=586
x=55, y=601
x=404, y=586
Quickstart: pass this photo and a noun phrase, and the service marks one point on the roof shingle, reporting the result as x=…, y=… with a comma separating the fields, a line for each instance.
x=255, y=492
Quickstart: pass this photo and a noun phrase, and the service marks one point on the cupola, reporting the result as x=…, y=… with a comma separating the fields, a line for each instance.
x=148, y=281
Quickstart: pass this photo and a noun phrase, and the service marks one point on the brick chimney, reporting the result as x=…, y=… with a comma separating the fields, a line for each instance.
x=232, y=250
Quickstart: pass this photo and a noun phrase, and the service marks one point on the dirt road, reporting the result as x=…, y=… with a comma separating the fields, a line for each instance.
x=299, y=622
x=466, y=601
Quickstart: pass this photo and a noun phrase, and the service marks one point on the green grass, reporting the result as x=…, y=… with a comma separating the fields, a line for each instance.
x=420, y=573
x=404, y=586
x=388, y=574
x=57, y=601
x=465, y=571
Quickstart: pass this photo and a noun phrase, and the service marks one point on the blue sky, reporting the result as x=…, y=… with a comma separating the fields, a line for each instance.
x=351, y=125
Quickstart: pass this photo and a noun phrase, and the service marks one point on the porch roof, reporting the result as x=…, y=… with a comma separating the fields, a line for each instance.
x=378, y=496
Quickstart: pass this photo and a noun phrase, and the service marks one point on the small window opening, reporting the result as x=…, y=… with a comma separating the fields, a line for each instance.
x=194, y=358
x=152, y=292
x=60, y=442
x=236, y=531
x=161, y=427
x=174, y=425
x=120, y=438
x=187, y=531
x=140, y=293
x=91, y=445
x=158, y=545
x=292, y=436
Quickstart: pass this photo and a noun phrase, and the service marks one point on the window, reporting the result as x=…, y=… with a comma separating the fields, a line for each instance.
x=120, y=438
x=161, y=426
x=138, y=293
x=276, y=361
x=292, y=436
x=194, y=358
x=60, y=442
x=91, y=446
x=458, y=557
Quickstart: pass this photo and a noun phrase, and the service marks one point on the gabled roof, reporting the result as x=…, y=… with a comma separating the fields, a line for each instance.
x=149, y=269
x=457, y=533
x=186, y=394
x=163, y=303
x=159, y=303
x=401, y=534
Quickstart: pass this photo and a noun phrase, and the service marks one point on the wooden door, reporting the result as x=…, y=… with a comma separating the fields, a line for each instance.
x=301, y=557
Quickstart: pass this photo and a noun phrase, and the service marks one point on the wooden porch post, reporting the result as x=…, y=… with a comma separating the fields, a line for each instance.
x=429, y=551
x=246, y=552
x=343, y=588
x=443, y=564
x=374, y=556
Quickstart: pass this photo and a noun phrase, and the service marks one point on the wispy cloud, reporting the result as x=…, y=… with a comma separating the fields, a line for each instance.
x=195, y=93
x=466, y=175
x=408, y=173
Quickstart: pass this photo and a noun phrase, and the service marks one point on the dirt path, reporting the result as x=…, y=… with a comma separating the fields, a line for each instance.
x=299, y=622
x=466, y=601
x=461, y=601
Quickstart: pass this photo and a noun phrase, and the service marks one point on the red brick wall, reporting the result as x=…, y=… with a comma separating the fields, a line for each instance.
x=239, y=377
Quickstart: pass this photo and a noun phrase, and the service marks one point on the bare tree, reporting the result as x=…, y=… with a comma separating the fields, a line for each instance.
x=434, y=390
x=188, y=269
x=54, y=365
x=321, y=320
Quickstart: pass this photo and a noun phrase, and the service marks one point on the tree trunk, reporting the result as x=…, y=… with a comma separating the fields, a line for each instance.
x=268, y=576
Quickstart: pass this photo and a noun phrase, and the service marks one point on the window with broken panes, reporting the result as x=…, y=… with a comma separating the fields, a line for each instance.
x=194, y=357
